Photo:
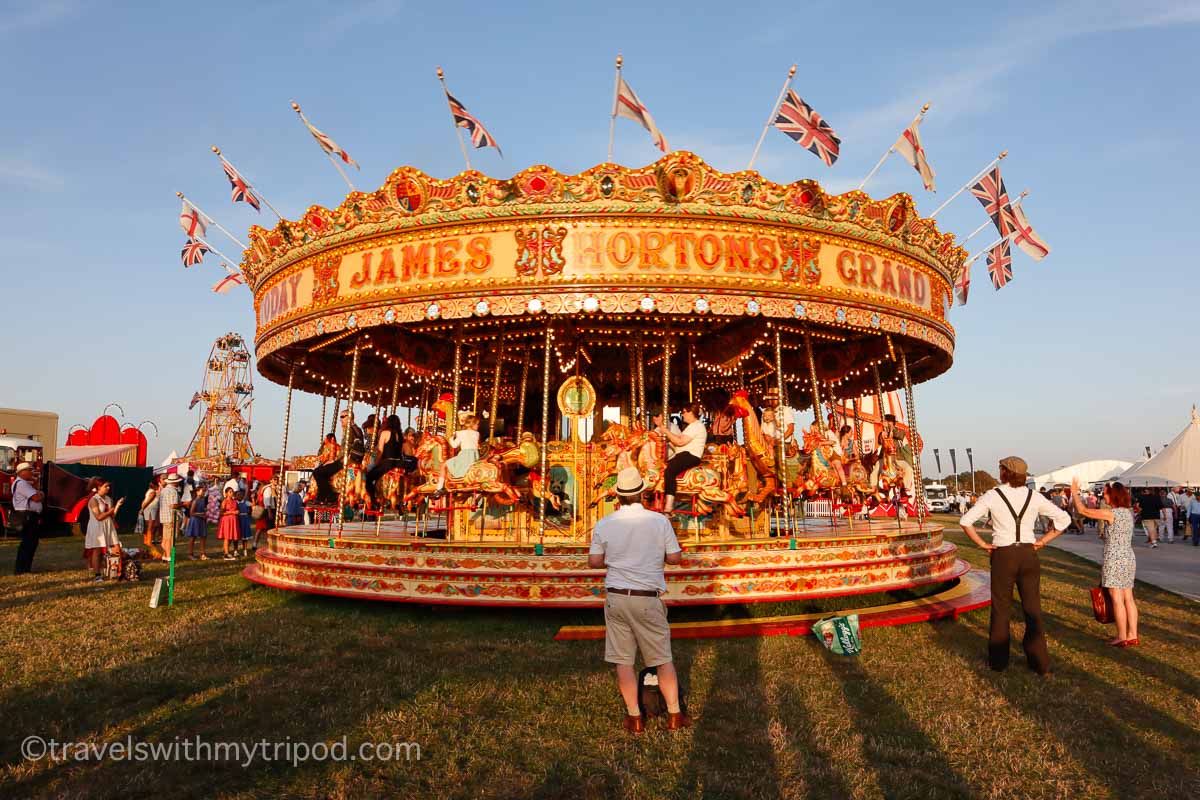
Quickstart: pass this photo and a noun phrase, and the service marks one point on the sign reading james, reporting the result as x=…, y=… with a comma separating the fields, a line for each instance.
x=419, y=267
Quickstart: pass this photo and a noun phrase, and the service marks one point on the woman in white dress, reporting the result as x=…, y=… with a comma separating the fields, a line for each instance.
x=101, y=528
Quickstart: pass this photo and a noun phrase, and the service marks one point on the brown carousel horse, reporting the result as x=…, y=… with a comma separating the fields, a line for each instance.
x=759, y=451
x=703, y=483
x=485, y=476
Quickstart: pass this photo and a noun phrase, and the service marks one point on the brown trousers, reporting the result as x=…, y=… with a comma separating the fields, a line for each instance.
x=1017, y=564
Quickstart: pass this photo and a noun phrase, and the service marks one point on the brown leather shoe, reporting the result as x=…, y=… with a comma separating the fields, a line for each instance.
x=678, y=721
x=634, y=724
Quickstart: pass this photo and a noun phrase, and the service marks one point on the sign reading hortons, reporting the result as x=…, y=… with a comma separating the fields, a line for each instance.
x=409, y=267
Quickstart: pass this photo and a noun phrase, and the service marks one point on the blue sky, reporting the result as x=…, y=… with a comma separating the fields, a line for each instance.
x=111, y=108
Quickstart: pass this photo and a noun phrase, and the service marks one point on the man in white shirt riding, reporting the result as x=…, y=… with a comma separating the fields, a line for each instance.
x=633, y=544
x=1013, y=550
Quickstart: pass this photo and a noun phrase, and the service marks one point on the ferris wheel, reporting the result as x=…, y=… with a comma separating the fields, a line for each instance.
x=226, y=393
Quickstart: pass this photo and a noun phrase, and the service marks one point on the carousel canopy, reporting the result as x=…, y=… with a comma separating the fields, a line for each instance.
x=1177, y=464
x=715, y=273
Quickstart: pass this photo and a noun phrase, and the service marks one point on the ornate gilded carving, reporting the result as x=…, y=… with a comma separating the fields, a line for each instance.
x=540, y=249
x=801, y=259
x=325, y=279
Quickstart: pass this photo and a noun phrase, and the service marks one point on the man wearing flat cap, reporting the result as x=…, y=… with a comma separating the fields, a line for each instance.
x=1014, y=508
x=633, y=544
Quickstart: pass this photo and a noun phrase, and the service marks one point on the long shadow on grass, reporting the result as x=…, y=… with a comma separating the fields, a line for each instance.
x=1077, y=707
x=735, y=716
x=906, y=761
x=271, y=675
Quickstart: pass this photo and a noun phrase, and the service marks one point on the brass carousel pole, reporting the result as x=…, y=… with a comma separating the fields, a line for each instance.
x=545, y=433
x=287, y=421
x=496, y=388
x=324, y=401
x=666, y=402
x=475, y=398
x=911, y=409
x=337, y=403
x=691, y=358
x=395, y=392
x=346, y=440
x=781, y=431
x=641, y=380
x=524, y=384
x=633, y=409
x=816, y=394
x=452, y=417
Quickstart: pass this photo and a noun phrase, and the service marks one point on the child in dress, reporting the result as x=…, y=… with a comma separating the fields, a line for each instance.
x=466, y=439
x=260, y=524
x=198, y=524
x=228, y=530
x=245, y=531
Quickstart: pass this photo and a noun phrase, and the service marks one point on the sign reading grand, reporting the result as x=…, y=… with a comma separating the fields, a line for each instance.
x=683, y=257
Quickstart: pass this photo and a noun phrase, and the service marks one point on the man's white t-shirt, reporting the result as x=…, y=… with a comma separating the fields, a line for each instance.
x=634, y=541
x=1004, y=527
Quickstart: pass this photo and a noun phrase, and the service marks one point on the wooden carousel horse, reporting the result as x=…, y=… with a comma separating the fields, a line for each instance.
x=703, y=483
x=821, y=472
x=758, y=448
x=618, y=446
x=485, y=476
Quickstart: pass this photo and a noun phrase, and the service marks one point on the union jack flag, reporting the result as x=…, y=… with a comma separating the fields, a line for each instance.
x=327, y=144
x=798, y=120
x=994, y=198
x=242, y=192
x=193, y=252
x=465, y=119
x=999, y=264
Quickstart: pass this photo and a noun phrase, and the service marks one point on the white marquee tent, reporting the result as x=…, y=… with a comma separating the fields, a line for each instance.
x=1088, y=472
x=1178, y=464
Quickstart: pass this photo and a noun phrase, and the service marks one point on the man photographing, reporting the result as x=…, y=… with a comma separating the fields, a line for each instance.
x=1013, y=551
x=633, y=544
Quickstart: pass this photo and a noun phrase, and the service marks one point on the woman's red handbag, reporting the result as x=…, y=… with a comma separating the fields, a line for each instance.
x=1102, y=604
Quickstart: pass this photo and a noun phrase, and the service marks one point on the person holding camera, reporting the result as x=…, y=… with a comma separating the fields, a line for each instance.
x=101, y=528
x=633, y=543
x=26, y=518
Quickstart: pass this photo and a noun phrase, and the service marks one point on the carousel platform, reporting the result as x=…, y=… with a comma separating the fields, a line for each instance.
x=972, y=591
x=397, y=561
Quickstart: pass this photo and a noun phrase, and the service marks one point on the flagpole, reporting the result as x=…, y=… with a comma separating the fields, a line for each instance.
x=612, y=120
x=259, y=194
x=216, y=224
x=978, y=175
x=892, y=149
x=1001, y=240
x=332, y=160
x=1016, y=202
x=771, y=117
x=212, y=249
x=457, y=130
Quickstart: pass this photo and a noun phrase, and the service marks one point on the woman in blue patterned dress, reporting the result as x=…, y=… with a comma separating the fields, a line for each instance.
x=1117, y=571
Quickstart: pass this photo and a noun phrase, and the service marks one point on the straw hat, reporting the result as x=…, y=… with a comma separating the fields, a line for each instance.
x=629, y=482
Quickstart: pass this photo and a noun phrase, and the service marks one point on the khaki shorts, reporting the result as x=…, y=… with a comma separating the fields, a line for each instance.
x=636, y=623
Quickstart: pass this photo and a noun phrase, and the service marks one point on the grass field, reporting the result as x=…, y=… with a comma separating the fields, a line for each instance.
x=500, y=710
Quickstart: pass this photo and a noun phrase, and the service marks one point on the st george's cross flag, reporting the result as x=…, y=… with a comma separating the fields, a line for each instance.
x=242, y=191
x=327, y=144
x=193, y=252
x=999, y=264
x=962, y=286
x=468, y=121
x=230, y=280
x=1024, y=237
x=797, y=119
x=192, y=221
x=993, y=197
x=909, y=147
x=628, y=105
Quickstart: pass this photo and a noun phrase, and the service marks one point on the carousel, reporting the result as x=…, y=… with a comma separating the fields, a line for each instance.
x=532, y=332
